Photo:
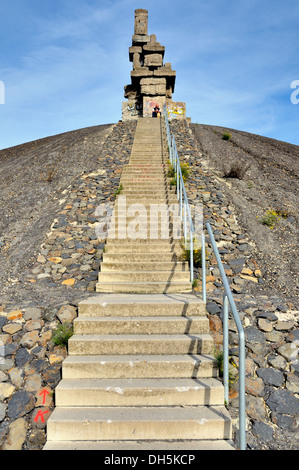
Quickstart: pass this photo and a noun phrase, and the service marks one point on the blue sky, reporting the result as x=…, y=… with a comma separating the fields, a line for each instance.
x=64, y=63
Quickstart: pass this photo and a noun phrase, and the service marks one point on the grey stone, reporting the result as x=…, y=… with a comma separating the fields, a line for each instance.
x=20, y=404
x=284, y=421
x=32, y=313
x=289, y=351
x=277, y=361
x=22, y=357
x=10, y=349
x=262, y=431
x=268, y=315
x=213, y=308
x=271, y=376
x=16, y=435
x=283, y=402
x=2, y=411
x=254, y=335
x=3, y=321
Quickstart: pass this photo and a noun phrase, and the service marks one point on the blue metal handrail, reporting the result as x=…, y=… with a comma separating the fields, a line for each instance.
x=184, y=208
x=227, y=297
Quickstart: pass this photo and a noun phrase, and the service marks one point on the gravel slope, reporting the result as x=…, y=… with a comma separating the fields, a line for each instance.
x=270, y=182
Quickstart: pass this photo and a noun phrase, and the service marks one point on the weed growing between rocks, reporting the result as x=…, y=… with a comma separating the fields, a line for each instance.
x=62, y=334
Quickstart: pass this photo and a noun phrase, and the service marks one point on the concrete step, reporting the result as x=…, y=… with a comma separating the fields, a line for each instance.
x=148, y=192
x=143, y=276
x=142, y=305
x=144, y=241
x=140, y=366
x=147, y=186
x=142, y=326
x=146, y=201
x=144, y=287
x=142, y=179
x=154, y=188
x=134, y=229
x=140, y=344
x=144, y=211
x=132, y=446
x=145, y=159
x=132, y=168
x=139, y=392
x=147, y=166
x=147, y=257
x=144, y=248
x=95, y=423
x=145, y=266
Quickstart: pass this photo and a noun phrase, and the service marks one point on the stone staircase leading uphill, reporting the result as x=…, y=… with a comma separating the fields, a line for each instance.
x=146, y=264
x=140, y=372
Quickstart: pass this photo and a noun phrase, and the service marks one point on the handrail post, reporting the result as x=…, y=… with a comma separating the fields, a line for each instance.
x=191, y=255
x=242, y=415
x=185, y=222
x=203, y=268
x=225, y=349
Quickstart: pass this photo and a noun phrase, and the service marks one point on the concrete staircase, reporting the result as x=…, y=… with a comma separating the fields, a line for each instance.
x=144, y=265
x=140, y=372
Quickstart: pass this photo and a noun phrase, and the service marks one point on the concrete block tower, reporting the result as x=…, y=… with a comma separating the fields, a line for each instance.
x=152, y=81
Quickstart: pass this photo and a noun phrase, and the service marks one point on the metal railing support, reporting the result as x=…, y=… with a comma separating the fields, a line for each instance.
x=225, y=349
x=203, y=267
x=230, y=300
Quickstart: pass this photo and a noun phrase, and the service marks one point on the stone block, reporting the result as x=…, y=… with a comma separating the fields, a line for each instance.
x=153, y=86
x=153, y=60
x=140, y=39
x=141, y=22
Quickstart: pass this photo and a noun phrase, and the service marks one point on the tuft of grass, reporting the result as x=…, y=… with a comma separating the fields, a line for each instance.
x=219, y=361
x=119, y=190
x=49, y=173
x=172, y=173
x=270, y=218
x=232, y=367
x=226, y=136
x=197, y=254
x=62, y=334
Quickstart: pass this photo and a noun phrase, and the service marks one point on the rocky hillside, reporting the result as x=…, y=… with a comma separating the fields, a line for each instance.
x=37, y=180
x=261, y=179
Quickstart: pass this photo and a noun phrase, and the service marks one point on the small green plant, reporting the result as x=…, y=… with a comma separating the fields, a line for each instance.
x=270, y=218
x=226, y=136
x=194, y=283
x=172, y=173
x=219, y=361
x=119, y=190
x=232, y=373
x=197, y=254
x=62, y=334
x=185, y=170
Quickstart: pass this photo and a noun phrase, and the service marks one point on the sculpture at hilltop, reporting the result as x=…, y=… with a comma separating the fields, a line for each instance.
x=152, y=82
